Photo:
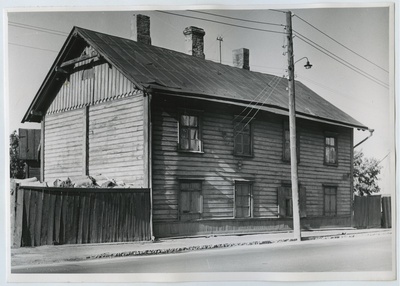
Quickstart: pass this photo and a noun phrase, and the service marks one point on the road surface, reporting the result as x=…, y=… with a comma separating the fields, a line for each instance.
x=365, y=253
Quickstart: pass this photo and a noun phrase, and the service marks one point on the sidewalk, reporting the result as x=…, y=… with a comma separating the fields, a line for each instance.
x=79, y=252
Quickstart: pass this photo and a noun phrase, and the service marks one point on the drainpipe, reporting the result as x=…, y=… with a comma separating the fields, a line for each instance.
x=371, y=131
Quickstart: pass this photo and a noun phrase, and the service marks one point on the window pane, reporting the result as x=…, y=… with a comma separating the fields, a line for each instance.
x=185, y=120
x=239, y=212
x=195, y=145
x=246, y=128
x=246, y=149
x=195, y=186
x=242, y=200
x=185, y=186
x=185, y=202
x=184, y=133
x=330, y=201
x=195, y=202
x=194, y=134
x=184, y=144
x=242, y=138
x=193, y=122
x=238, y=146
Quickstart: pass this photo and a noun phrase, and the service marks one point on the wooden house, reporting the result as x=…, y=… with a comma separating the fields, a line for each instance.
x=209, y=140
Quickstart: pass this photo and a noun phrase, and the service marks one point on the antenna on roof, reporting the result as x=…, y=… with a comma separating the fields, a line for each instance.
x=220, y=39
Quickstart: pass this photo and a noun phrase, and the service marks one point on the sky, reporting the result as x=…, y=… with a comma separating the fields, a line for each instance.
x=359, y=36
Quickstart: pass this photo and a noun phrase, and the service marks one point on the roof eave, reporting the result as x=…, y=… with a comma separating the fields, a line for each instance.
x=279, y=109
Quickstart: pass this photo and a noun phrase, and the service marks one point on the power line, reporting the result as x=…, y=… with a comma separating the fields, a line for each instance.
x=383, y=158
x=30, y=47
x=258, y=109
x=347, y=48
x=297, y=33
x=275, y=10
x=253, y=100
x=219, y=22
x=340, y=60
x=235, y=18
x=36, y=28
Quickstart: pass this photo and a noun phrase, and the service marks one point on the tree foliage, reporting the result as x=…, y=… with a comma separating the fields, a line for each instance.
x=366, y=171
x=16, y=165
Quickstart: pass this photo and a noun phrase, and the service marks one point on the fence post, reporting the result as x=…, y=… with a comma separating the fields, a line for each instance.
x=19, y=210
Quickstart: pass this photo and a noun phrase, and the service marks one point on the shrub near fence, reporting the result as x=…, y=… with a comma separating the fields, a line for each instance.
x=45, y=216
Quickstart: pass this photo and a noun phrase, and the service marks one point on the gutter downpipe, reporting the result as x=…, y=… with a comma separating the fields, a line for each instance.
x=371, y=131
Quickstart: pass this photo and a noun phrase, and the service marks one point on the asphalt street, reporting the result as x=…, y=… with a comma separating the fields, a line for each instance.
x=364, y=253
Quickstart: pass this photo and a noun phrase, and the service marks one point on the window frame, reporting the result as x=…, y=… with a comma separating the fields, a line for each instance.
x=335, y=137
x=287, y=128
x=325, y=187
x=239, y=120
x=187, y=216
x=285, y=190
x=199, y=115
x=251, y=202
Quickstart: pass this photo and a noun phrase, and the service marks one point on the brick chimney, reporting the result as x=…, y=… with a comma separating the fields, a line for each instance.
x=140, y=29
x=241, y=58
x=194, y=41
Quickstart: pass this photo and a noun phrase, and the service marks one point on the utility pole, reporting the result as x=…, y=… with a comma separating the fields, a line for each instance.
x=292, y=130
x=220, y=39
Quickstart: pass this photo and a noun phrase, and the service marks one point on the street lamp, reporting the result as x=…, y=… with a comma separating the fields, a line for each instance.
x=307, y=65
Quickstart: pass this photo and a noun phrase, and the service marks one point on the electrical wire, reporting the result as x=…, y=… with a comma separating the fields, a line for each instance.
x=239, y=19
x=340, y=60
x=36, y=28
x=253, y=100
x=275, y=10
x=383, y=158
x=222, y=23
x=258, y=109
x=344, y=46
x=31, y=47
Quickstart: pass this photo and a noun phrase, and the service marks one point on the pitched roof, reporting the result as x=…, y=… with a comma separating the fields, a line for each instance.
x=156, y=69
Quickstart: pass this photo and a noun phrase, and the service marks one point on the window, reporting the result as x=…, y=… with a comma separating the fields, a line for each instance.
x=330, y=196
x=242, y=137
x=331, y=154
x=285, y=202
x=286, y=143
x=191, y=200
x=243, y=202
x=190, y=133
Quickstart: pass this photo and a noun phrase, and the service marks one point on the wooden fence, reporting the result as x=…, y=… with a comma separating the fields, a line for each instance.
x=367, y=212
x=46, y=216
x=386, y=212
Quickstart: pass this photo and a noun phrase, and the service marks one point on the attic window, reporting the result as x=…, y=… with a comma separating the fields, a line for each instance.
x=88, y=74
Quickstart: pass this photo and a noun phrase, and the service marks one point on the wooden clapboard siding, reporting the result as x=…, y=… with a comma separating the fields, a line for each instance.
x=218, y=167
x=116, y=140
x=108, y=83
x=63, y=145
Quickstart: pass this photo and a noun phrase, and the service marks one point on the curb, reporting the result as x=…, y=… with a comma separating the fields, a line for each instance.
x=184, y=249
x=225, y=245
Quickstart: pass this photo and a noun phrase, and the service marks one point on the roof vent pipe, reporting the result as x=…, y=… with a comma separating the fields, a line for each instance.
x=140, y=29
x=241, y=58
x=194, y=41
